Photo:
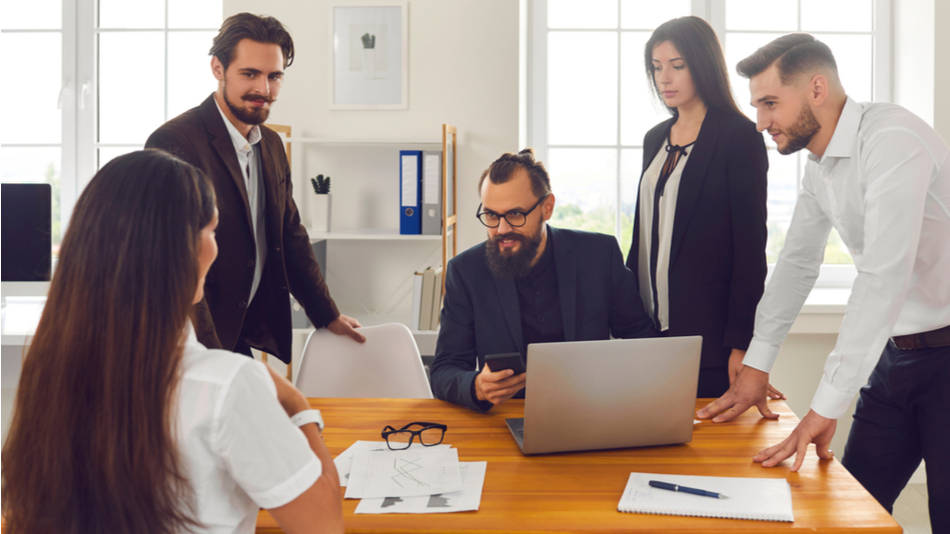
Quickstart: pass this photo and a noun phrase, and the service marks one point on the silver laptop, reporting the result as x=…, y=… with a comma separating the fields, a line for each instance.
x=587, y=395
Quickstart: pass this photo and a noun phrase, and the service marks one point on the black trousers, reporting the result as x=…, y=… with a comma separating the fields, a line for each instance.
x=903, y=416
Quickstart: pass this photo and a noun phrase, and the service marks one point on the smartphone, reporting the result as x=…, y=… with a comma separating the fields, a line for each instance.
x=506, y=360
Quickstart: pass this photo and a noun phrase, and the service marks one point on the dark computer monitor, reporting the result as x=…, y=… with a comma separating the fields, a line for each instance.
x=26, y=240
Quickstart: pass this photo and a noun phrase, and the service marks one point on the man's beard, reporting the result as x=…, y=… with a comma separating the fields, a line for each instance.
x=248, y=116
x=514, y=264
x=800, y=133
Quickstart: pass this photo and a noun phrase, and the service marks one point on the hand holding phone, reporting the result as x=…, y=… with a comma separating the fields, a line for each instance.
x=489, y=387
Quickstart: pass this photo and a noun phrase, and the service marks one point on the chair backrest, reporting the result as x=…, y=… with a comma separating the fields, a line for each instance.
x=387, y=365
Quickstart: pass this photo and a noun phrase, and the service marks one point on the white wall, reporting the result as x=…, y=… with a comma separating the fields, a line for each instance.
x=941, y=22
x=914, y=57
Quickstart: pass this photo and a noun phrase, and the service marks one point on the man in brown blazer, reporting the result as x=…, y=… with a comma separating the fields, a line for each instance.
x=264, y=250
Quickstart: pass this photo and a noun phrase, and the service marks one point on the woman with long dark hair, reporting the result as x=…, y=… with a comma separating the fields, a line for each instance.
x=123, y=421
x=699, y=234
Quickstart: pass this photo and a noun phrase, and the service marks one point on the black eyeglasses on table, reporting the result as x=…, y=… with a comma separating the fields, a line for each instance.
x=429, y=434
x=515, y=218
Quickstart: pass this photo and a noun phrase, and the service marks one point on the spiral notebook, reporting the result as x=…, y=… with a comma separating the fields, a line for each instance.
x=764, y=499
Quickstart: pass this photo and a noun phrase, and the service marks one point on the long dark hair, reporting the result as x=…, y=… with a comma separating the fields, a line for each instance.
x=696, y=41
x=91, y=446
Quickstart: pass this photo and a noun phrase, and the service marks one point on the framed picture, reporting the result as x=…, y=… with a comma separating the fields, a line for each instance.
x=369, y=41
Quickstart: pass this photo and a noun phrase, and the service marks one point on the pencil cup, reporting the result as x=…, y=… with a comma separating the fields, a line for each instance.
x=320, y=213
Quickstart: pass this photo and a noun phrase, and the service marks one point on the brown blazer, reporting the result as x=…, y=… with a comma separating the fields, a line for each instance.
x=199, y=137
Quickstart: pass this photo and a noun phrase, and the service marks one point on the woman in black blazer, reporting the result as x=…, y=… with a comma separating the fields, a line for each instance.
x=700, y=261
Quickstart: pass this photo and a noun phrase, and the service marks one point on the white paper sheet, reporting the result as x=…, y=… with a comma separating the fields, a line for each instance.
x=344, y=460
x=415, y=471
x=468, y=499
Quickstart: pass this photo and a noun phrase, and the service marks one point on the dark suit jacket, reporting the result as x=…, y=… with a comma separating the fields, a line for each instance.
x=199, y=137
x=717, y=257
x=481, y=315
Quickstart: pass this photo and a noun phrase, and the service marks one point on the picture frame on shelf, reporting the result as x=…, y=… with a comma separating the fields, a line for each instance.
x=369, y=43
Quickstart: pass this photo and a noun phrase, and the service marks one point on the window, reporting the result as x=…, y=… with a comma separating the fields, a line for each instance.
x=590, y=101
x=152, y=64
x=31, y=58
x=98, y=76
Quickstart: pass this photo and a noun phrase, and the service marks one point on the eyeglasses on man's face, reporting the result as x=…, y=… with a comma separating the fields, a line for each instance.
x=428, y=434
x=515, y=218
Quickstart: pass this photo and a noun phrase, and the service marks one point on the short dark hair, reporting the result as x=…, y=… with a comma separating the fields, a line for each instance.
x=254, y=27
x=502, y=169
x=794, y=54
x=695, y=39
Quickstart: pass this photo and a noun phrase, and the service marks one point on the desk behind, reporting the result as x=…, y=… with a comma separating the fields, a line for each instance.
x=578, y=492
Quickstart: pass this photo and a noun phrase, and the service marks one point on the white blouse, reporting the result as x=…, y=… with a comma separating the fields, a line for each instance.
x=667, y=213
x=238, y=448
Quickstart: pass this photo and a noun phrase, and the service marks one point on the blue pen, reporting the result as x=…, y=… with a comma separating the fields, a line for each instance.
x=685, y=489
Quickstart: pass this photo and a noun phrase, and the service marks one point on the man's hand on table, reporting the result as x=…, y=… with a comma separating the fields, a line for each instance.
x=749, y=388
x=813, y=428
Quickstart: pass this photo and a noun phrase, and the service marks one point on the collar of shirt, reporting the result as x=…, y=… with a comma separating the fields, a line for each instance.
x=191, y=338
x=846, y=131
x=241, y=144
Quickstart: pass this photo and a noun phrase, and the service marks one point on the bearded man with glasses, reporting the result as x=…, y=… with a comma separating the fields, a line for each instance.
x=527, y=283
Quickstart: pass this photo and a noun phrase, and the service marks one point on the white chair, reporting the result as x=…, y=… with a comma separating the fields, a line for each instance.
x=387, y=365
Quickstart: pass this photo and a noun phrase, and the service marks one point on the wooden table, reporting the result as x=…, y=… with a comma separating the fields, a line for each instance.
x=578, y=492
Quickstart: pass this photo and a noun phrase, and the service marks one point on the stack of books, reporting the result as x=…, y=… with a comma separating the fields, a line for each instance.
x=426, y=299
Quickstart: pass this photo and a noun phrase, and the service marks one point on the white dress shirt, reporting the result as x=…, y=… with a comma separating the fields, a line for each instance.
x=248, y=152
x=667, y=214
x=238, y=448
x=884, y=184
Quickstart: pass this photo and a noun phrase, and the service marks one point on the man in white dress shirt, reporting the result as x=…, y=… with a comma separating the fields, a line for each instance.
x=881, y=177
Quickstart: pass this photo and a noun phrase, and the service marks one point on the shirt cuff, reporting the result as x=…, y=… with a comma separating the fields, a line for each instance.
x=760, y=355
x=829, y=401
x=291, y=488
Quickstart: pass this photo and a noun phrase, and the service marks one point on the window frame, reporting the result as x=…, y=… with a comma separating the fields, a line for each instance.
x=79, y=95
x=713, y=11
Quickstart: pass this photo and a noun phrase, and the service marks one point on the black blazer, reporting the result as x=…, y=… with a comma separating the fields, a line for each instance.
x=200, y=137
x=481, y=314
x=717, y=256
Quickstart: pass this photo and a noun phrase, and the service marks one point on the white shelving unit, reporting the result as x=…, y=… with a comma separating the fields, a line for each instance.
x=369, y=265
